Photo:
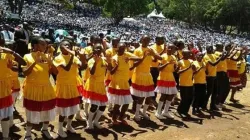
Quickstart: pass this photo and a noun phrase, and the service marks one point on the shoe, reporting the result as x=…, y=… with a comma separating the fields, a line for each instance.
x=145, y=116
x=47, y=134
x=137, y=118
x=97, y=124
x=234, y=101
x=168, y=115
x=223, y=106
x=80, y=118
x=28, y=138
x=71, y=129
x=62, y=134
x=214, y=108
x=159, y=116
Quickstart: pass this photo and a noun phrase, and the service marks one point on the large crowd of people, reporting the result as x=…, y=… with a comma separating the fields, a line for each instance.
x=116, y=73
x=113, y=65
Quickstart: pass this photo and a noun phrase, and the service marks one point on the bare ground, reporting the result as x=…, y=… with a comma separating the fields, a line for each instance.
x=230, y=124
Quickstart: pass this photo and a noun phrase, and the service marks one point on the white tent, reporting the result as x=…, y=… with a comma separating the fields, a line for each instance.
x=154, y=14
x=129, y=19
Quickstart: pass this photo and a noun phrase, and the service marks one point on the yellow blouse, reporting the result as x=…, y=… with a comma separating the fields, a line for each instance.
x=167, y=73
x=186, y=78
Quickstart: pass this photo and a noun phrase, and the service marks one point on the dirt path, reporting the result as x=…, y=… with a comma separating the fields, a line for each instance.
x=230, y=124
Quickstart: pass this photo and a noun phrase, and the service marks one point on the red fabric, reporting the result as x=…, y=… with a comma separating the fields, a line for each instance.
x=233, y=73
x=121, y=92
x=235, y=84
x=143, y=88
x=60, y=102
x=162, y=83
x=195, y=51
x=94, y=96
x=39, y=105
x=15, y=90
x=107, y=82
x=80, y=89
x=6, y=102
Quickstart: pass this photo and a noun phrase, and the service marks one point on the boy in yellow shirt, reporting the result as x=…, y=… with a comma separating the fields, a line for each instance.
x=185, y=71
x=211, y=66
x=200, y=86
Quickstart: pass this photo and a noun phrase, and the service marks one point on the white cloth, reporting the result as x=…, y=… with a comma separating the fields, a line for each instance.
x=8, y=37
x=6, y=112
x=36, y=117
x=119, y=99
x=166, y=90
x=68, y=111
x=139, y=93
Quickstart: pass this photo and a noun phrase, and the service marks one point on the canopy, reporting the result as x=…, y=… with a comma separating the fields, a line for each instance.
x=154, y=14
x=129, y=19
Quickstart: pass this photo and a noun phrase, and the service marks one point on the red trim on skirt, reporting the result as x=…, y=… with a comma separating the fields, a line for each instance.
x=15, y=90
x=162, y=83
x=121, y=92
x=39, y=105
x=94, y=96
x=60, y=102
x=235, y=84
x=6, y=102
x=107, y=82
x=143, y=88
x=233, y=73
x=80, y=89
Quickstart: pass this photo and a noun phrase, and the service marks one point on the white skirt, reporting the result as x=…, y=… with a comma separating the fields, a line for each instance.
x=119, y=99
x=139, y=93
x=95, y=102
x=166, y=90
x=68, y=111
x=36, y=117
x=6, y=112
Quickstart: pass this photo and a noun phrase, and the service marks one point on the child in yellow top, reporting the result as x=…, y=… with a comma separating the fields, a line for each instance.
x=211, y=67
x=185, y=70
x=200, y=87
x=118, y=90
x=242, y=71
x=7, y=58
x=233, y=72
x=39, y=95
x=142, y=83
x=66, y=86
x=94, y=92
x=166, y=84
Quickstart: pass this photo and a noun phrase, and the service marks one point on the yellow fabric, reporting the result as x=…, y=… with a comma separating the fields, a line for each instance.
x=109, y=53
x=167, y=73
x=231, y=64
x=158, y=49
x=186, y=78
x=95, y=83
x=212, y=70
x=141, y=74
x=66, y=82
x=180, y=54
x=200, y=77
x=222, y=65
x=5, y=82
x=121, y=76
x=87, y=50
x=37, y=86
x=14, y=80
x=242, y=66
x=51, y=50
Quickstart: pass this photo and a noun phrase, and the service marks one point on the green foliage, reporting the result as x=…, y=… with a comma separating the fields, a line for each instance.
x=118, y=9
x=218, y=14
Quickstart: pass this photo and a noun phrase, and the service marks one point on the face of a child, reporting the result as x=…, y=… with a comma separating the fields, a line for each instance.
x=121, y=48
x=64, y=46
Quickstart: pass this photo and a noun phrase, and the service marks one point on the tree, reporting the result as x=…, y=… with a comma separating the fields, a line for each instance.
x=118, y=9
x=16, y=6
